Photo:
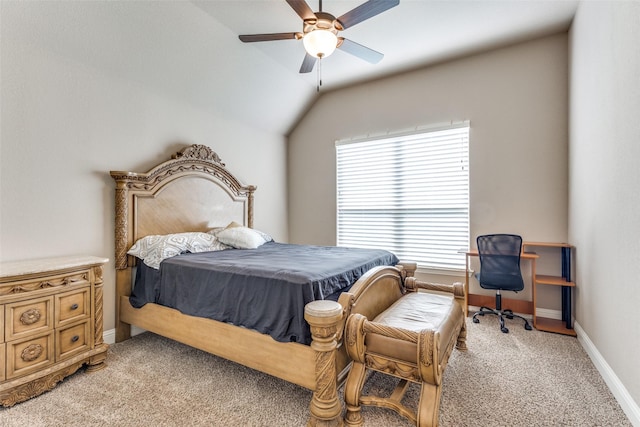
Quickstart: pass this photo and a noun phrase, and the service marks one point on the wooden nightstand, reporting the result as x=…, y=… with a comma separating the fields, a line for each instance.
x=51, y=320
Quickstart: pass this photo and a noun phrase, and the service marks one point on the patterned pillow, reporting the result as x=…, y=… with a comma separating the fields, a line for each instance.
x=152, y=250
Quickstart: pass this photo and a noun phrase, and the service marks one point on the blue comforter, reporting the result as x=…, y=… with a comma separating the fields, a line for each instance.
x=264, y=289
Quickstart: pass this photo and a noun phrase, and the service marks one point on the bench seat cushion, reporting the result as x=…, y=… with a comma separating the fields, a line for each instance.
x=415, y=312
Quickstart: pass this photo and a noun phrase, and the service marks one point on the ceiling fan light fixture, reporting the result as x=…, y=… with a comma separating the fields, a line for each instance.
x=320, y=43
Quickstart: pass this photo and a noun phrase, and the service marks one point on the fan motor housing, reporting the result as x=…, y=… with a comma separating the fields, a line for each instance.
x=323, y=21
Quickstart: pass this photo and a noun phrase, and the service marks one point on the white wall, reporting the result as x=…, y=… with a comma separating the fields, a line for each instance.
x=67, y=121
x=516, y=101
x=604, y=150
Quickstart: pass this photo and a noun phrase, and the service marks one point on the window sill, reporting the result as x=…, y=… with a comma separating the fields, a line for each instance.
x=454, y=272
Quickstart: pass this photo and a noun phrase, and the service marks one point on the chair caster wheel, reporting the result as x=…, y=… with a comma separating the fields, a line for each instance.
x=504, y=329
x=528, y=327
x=476, y=320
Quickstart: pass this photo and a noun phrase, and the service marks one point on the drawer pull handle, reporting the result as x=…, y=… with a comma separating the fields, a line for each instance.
x=30, y=316
x=31, y=353
x=75, y=338
x=74, y=307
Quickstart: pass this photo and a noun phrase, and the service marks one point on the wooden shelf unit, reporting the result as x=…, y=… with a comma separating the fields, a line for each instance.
x=563, y=326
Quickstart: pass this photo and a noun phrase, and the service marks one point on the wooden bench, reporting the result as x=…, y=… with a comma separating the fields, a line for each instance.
x=412, y=340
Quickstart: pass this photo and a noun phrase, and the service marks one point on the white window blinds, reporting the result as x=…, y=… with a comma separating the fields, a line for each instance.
x=408, y=194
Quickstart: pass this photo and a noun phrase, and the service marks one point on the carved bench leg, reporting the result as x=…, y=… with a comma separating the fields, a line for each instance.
x=323, y=317
x=352, y=393
x=461, y=343
x=429, y=406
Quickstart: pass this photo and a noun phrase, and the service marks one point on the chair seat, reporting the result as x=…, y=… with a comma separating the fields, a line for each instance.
x=501, y=280
x=413, y=313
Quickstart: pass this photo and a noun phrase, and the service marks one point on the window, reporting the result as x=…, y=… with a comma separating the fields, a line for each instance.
x=408, y=194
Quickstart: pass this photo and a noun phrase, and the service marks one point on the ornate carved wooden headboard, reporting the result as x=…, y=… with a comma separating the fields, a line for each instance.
x=193, y=191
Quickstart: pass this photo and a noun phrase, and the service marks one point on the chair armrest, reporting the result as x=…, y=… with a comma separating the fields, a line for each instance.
x=358, y=326
x=389, y=331
x=413, y=285
x=409, y=268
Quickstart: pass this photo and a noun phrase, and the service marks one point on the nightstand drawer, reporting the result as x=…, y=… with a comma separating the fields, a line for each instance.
x=29, y=355
x=28, y=317
x=72, y=340
x=72, y=307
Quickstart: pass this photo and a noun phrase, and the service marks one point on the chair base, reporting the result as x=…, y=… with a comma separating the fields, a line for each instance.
x=501, y=315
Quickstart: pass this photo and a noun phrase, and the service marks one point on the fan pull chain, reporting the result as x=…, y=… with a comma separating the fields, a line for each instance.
x=319, y=82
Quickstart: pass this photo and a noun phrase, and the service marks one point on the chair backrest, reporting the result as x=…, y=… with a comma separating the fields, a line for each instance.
x=500, y=261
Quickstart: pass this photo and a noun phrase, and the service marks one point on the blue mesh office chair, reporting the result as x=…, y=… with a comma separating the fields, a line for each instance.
x=500, y=270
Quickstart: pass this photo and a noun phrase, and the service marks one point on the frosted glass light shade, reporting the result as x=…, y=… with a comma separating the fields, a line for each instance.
x=320, y=43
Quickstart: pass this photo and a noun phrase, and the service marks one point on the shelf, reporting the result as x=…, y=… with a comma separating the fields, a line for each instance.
x=553, y=325
x=564, y=281
x=553, y=280
x=547, y=244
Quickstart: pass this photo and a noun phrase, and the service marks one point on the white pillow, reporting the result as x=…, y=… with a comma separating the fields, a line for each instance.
x=152, y=250
x=267, y=237
x=241, y=237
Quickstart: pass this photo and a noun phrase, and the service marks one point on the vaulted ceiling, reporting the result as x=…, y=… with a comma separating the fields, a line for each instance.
x=190, y=51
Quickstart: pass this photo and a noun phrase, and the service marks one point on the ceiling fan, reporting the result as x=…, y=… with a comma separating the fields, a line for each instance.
x=320, y=31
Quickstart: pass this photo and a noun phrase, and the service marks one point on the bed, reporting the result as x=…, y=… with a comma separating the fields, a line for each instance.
x=194, y=192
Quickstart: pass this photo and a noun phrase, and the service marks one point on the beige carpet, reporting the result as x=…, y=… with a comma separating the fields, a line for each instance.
x=524, y=378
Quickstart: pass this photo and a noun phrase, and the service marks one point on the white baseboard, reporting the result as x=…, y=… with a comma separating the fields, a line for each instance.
x=109, y=336
x=629, y=406
x=549, y=314
x=136, y=331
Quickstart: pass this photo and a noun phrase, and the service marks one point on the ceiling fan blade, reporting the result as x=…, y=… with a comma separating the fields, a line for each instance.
x=308, y=63
x=302, y=8
x=365, y=11
x=249, y=38
x=360, y=51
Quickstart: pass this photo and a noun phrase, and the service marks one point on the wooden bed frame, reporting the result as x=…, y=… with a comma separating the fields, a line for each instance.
x=193, y=191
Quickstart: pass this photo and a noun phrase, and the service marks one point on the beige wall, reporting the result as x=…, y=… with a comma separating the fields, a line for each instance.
x=603, y=183
x=66, y=124
x=516, y=101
